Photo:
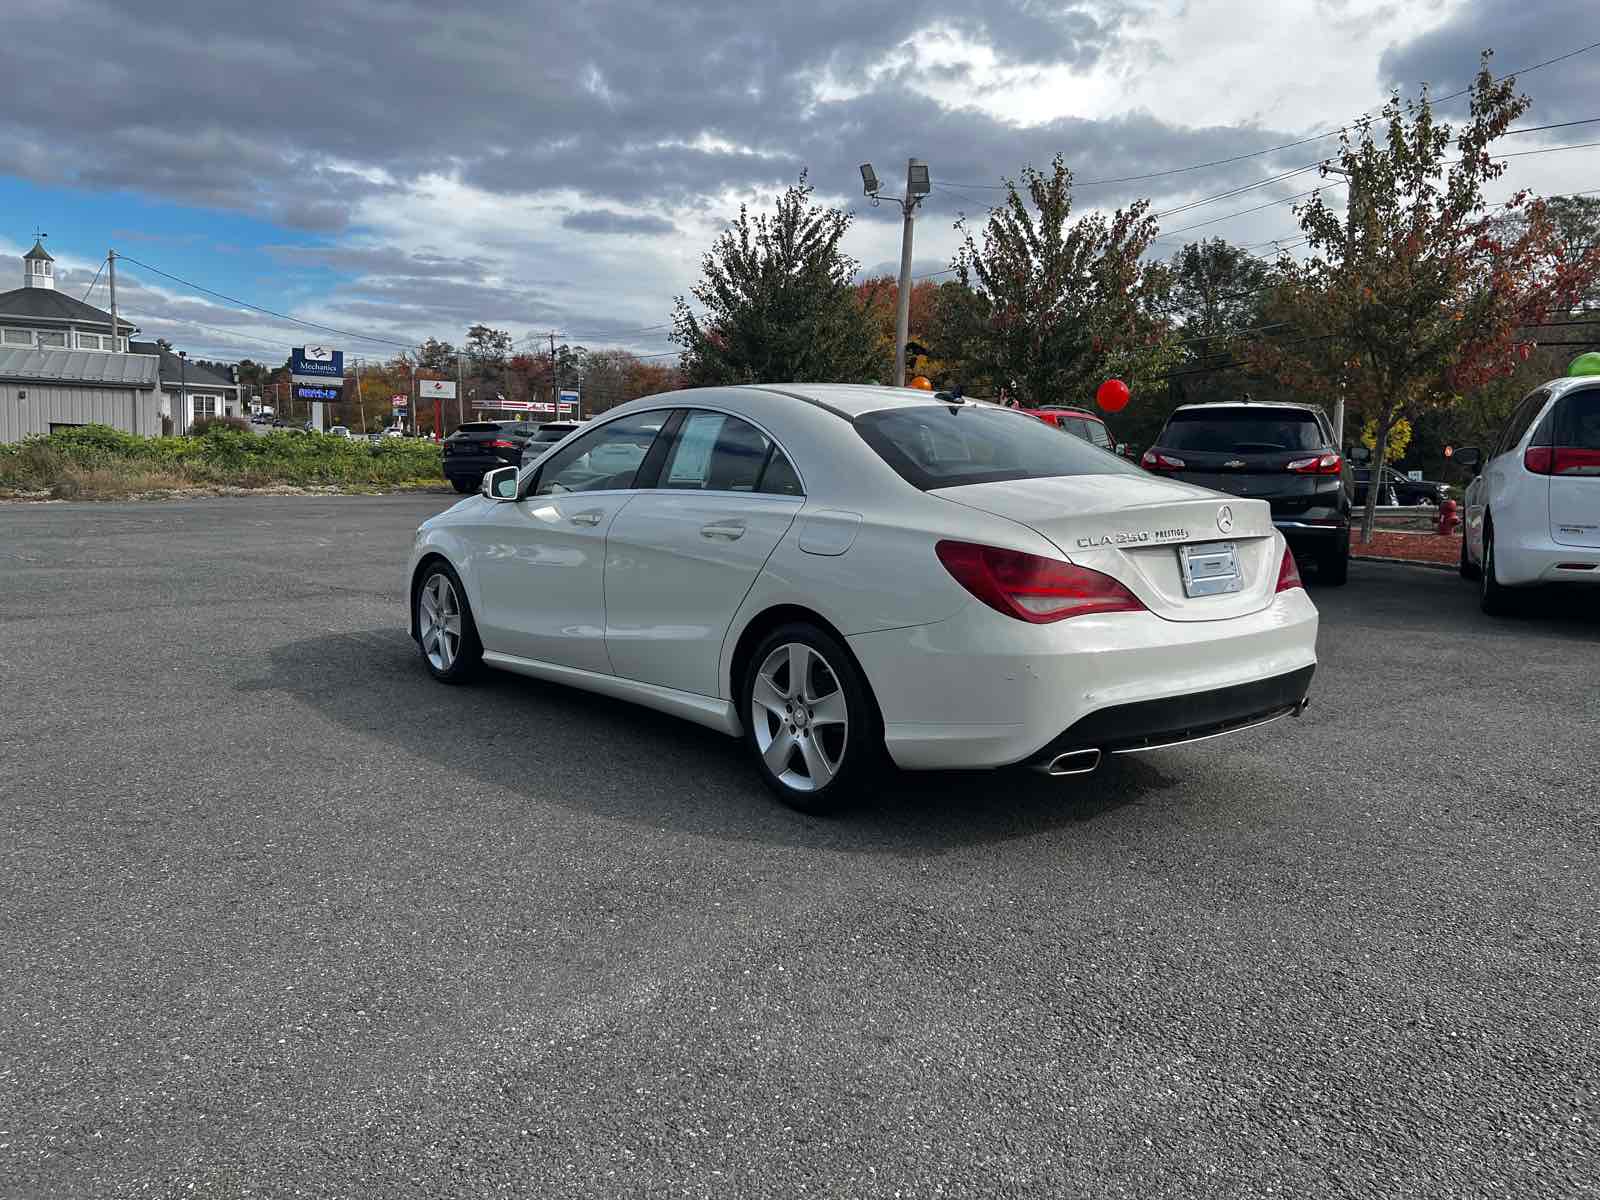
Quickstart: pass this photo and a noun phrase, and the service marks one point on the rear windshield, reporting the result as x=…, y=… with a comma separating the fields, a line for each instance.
x=1578, y=420
x=934, y=446
x=1242, y=430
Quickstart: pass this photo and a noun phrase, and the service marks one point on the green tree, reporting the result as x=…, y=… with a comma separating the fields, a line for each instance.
x=1065, y=304
x=1418, y=293
x=434, y=355
x=488, y=347
x=777, y=301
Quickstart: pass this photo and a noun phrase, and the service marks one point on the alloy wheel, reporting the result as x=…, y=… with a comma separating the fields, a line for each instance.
x=800, y=718
x=439, y=610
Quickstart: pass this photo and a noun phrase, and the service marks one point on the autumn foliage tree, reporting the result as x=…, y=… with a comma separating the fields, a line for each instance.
x=1063, y=303
x=778, y=301
x=1418, y=291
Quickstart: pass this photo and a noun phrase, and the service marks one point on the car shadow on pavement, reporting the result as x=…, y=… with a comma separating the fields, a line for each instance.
x=563, y=746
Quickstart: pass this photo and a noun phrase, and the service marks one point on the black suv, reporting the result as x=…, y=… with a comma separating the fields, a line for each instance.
x=479, y=447
x=1284, y=454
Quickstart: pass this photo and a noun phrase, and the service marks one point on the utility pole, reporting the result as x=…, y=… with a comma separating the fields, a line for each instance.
x=1353, y=214
x=461, y=393
x=361, y=401
x=918, y=185
x=116, y=341
x=555, y=381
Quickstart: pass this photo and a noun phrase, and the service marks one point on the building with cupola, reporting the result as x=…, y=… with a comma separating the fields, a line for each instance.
x=62, y=364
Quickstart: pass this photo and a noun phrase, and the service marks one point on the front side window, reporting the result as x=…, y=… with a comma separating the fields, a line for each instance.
x=605, y=459
x=936, y=446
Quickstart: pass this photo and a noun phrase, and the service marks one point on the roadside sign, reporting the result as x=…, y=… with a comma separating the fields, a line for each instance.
x=315, y=364
x=569, y=400
x=1414, y=476
x=305, y=391
x=400, y=401
x=436, y=389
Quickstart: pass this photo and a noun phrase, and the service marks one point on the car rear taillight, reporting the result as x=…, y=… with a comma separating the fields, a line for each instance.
x=1031, y=588
x=1561, y=460
x=502, y=444
x=1288, y=573
x=1325, y=464
x=1154, y=460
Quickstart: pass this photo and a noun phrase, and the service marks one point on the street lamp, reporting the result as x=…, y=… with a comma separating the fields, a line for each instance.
x=918, y=185
x=183, y=385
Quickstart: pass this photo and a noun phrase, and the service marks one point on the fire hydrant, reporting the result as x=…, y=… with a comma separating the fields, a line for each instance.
x=1449, y=518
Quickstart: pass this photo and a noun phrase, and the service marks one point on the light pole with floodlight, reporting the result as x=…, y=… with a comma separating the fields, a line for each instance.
x=918, y=185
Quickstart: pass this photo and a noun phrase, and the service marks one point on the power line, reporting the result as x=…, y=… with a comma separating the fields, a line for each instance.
x=94, y=281
x=363, y=337
x=1345, y=128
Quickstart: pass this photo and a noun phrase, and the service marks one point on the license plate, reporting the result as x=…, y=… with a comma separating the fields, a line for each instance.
x=1209, y=569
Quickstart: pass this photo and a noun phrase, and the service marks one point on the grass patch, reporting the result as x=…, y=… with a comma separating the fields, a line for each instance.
x=96, y=462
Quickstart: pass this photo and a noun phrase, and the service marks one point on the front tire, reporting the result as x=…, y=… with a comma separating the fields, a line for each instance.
x=1493, y=597
x=446, y=632
x=1333, y=566
x=809, y=720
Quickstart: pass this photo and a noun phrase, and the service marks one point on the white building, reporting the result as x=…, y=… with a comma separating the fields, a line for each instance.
x=61, y=364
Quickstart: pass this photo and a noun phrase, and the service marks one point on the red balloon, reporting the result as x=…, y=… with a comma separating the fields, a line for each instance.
x=1113, y=395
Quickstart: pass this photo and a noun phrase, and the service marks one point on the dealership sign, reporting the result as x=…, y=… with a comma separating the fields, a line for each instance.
x=399, y=401
x=304, y=391
x=315, y=364
x=436, y=389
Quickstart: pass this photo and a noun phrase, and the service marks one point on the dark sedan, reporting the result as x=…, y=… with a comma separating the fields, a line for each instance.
x=1397, y=489
x=479, y=447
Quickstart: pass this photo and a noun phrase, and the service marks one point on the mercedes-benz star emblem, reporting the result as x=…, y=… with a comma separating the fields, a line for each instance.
x=1225, y=518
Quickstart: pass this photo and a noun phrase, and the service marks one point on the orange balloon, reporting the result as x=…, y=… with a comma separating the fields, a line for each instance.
x=923, y=382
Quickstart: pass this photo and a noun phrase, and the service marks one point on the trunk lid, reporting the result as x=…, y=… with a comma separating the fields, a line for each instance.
x=1575, y=470
x=1130, y=527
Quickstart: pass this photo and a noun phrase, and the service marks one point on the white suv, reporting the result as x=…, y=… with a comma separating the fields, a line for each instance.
x=1533, y=507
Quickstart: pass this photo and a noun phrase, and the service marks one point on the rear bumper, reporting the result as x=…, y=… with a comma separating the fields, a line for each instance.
x=984, y=690
x=1304, y=532
x=472, y=466
x=1546, y=561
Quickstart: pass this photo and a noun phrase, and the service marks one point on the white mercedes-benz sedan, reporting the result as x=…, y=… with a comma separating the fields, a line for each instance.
x=836, y=574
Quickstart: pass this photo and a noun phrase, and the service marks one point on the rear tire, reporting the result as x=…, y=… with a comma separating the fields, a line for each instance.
x=1469, y=570
x=446, y=632
x=810, y=723
x=1493, y=597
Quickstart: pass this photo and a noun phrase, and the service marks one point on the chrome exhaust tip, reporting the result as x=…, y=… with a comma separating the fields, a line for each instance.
x=1075, y=762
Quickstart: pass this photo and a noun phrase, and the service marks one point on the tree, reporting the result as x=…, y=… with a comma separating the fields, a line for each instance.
x=880, y=296
x=1217, y=290
x=434, y=355
x=777, y=300
x=488, y=347
x=1069, y=303
x=1417, y=294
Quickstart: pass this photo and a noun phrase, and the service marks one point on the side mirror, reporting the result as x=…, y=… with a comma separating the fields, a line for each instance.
x=1124, y=449
x=1469, y=457
x=501, y=484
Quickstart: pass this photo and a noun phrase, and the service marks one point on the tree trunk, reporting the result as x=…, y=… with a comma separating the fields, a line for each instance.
x=1375, y=481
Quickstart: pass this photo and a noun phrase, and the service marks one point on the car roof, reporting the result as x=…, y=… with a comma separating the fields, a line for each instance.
x=1310, y=408
x=855, y=399
x=1068, y=408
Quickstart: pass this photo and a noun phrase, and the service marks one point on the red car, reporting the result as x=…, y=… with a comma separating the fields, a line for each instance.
x=1080, y=422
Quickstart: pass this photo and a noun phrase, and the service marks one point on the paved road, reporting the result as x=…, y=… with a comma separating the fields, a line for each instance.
x=281, y=917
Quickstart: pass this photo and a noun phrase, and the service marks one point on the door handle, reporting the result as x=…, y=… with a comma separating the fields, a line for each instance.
x=731, y=531
x=590, y=517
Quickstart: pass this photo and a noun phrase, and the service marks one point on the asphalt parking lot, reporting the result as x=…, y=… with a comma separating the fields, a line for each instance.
x=282, y=917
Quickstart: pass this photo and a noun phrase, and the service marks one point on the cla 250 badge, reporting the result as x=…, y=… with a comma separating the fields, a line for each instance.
x=1138, y=537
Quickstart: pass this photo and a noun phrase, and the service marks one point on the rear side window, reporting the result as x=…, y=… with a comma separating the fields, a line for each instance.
x=934, y=446
x=1521, y=417
x=1242, y=430
x=713, y=452
x=1578, y=420
x=1099, y=434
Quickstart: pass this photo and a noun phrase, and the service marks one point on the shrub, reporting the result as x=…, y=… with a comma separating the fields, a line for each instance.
x=204, y=425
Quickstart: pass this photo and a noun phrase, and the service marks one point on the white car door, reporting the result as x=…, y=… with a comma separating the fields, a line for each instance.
x=682, y=555
x=1498, y=491
x=541, y=560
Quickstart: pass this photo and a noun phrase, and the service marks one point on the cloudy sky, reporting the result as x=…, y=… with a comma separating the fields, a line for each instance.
x=401, y=168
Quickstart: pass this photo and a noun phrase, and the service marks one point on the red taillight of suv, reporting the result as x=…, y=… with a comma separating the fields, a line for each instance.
x=1030, y=588
x=1325, y=464
x=501, y=444
x=1288, y=573
x=1154, y=460
x=1561, y=460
